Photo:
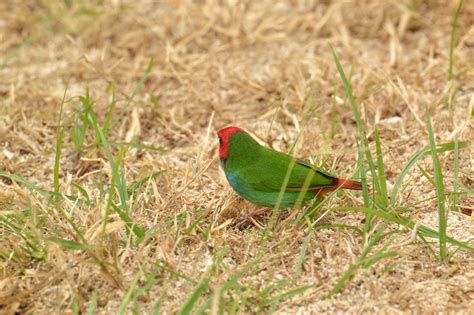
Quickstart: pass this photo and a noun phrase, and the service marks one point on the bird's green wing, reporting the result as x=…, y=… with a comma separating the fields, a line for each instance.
x=268, y=173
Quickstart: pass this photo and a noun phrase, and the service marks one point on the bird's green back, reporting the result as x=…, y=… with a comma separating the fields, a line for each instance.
x=265, y=169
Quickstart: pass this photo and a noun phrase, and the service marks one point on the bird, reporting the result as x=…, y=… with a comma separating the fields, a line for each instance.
x=257, y=173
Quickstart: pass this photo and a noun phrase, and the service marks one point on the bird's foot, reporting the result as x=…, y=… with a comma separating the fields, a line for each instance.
x=252, y=218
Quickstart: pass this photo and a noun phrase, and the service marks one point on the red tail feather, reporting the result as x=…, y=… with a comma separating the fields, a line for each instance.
x=341, y=183
x=348, y=184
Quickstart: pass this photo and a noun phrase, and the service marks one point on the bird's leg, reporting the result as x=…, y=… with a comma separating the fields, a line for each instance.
x=320, y=193
x=251, y=218
x=260, y=212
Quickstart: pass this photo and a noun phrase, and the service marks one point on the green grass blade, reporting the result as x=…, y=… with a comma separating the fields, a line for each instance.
x=304, y=248
x=83, y=192
x=347, y=86
x=174, y=273
x=391, y=217
x=126, y=299
x=150, y=281
x=156, y=308
x=92, y=304
x=116, y=179
x=205, y=307
x=362, y=134
x=109, y=113
x=122, y=183
x=277, y=110
x=454, y=25
x=360, y=260
x=334, y=114
x=113, y=181
x=27, y=183
x=59, y=142
x=449, y=146
x=378, y=256
x=134, y=93
x=373, y=241
x=198, y=292
x=456, y=174
x=101, y=136
x=68, y=243
x=137, y=185
x=339, y=226
x=137, y=145
x=363, y=179
x=139, y=233
x=344, y=279
x=426, y=175
x=381, y=178
x=75, y=305
x=442, y=216
x=10, y=55
x=289, y=294
x=32, y=247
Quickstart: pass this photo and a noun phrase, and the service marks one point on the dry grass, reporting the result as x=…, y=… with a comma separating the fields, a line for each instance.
x=216, y=64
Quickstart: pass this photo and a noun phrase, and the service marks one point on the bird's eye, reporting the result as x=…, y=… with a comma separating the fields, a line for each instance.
x=220, y=140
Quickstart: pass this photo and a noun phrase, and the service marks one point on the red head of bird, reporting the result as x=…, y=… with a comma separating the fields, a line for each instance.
x=224, y=135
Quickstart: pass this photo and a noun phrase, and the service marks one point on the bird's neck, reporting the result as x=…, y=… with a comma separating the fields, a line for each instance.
x=243, y=150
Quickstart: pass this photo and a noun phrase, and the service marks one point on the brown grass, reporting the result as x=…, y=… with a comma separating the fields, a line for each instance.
x=217, y=63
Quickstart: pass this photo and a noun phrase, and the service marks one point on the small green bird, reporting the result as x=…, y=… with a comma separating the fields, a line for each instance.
x=258, y=173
